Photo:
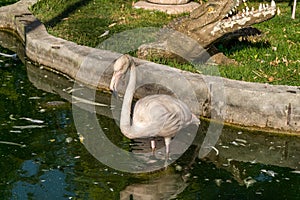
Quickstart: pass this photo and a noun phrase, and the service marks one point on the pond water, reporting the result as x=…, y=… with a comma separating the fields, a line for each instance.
x=43, y=155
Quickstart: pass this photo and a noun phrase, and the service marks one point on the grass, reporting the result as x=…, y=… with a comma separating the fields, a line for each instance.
x=84, y=22
x=274, y=59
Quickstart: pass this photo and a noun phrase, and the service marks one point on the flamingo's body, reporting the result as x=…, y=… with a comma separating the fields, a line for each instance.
x=154, y=115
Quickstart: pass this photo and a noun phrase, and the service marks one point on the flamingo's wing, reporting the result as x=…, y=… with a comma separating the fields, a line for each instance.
x=160, y=115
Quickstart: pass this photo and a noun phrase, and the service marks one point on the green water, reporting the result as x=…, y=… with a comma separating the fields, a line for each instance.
x=43, y=157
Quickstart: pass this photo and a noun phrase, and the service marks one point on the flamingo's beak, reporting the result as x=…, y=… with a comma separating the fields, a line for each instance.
x=114, y=83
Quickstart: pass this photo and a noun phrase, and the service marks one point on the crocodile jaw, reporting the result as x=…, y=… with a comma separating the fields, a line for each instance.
x=215, y=19
x=244, y=19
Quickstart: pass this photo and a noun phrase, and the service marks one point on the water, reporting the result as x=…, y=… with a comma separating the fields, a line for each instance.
x=44, y=157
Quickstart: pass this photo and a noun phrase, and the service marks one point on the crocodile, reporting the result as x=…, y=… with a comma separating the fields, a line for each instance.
x=204, y=27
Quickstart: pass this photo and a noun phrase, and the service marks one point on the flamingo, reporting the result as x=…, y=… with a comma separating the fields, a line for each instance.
x=154, y=115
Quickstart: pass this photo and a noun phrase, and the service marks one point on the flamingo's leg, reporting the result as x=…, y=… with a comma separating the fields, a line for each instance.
x=167, y=143
x=153, y=146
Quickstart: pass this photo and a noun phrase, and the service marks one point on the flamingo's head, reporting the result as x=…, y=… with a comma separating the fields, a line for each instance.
x=120, y=68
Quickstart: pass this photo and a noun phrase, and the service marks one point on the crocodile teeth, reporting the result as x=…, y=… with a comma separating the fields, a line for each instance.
x=234, y=13
x=278, y=11
x=260, y=8
x=273, y=4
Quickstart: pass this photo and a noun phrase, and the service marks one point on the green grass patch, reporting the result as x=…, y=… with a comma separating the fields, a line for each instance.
x=274, y=59
x=84, y=22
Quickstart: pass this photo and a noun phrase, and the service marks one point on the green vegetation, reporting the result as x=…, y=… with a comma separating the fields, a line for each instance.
x=85, y=21
x=273, y=59
x=7, y=2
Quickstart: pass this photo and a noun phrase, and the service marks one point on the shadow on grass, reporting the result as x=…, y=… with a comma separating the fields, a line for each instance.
x=241, y=39
x=236, y=45
x=7, y=2
x=64, y=14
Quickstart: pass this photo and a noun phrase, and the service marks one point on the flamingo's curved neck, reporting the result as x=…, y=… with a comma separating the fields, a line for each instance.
x=125, y=120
